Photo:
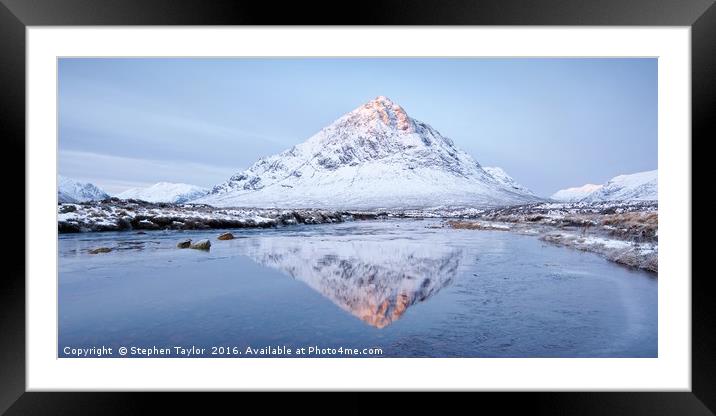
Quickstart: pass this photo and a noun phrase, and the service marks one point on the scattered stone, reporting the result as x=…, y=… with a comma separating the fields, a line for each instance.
x=184, y=244
x=144, y=224
x=64, y=209
x=474, y=225
x=100, y=250
x=201, y=245
x=364, y=215
x=130, y=245
x=226, y=236
x=117, y=215
x=68, y=227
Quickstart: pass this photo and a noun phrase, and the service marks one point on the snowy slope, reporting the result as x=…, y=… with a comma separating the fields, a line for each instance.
x=165, y=192
x=70, y=190
x=501, y=176
x=640, y=186
x=373, y=157
x=575, y=194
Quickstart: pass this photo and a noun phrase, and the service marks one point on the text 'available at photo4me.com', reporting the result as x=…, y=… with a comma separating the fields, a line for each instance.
x=216, y=351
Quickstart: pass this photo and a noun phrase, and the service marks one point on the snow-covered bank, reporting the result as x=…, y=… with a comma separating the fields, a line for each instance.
x=626, y=233
x=642, y=255
x=118, y=215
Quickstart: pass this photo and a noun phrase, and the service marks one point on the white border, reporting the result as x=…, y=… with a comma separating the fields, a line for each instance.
x=671, y=371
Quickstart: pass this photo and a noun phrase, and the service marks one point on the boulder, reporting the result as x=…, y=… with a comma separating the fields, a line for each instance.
x=143, y=223
x=67, y=208
x=226, y=236
x=68, y=227
x=100, y=250
x=184, y=244
x=124, y=223
x=201, y=245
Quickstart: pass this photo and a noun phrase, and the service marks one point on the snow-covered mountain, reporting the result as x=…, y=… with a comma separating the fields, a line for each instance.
x=576, y=193
x=165, y=192
x=72, y=191
x=641, y=186
x=506, y=180
x=375, y=156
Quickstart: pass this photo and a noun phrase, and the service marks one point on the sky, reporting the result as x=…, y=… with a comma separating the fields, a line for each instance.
x=550, y=123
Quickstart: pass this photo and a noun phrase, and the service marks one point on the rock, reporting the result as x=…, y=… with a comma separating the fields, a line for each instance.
x=226, y=236
x=364, y=216
x=184, y=244
x=124, y=223
x=201, y=245
x=176, y=225
x=140, y=223
x=100, y=250
x=67, y=208
x=68, y=227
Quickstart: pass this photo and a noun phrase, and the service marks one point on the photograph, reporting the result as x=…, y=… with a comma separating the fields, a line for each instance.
x=470, y=196
x=357, y=207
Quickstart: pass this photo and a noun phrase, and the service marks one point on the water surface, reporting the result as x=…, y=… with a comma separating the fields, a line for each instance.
x=408, y=288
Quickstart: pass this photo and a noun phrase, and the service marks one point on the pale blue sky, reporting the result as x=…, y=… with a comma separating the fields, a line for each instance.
x=550, y=123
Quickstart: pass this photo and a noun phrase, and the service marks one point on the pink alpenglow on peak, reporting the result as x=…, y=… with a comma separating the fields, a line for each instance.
x=389, y=113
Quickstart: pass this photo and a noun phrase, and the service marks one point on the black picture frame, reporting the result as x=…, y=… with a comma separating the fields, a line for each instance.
x=16, y=15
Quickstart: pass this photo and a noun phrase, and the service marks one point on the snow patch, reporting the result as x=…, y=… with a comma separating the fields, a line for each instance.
x=506, y=180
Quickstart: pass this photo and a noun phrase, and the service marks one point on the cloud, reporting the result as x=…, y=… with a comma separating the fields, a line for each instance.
x=131, y=121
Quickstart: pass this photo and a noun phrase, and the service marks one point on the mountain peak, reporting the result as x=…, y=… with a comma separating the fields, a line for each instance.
x=640, y=186
x=382, y=99
x=72, y=191
x=575, y=193
x=383, y=110
x=375, y=156
x=165, y=192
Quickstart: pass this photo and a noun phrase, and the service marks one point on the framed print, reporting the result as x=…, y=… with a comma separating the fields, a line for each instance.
x=483, y=198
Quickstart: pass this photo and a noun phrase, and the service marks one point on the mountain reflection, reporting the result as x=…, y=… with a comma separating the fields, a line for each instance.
x=376, y=281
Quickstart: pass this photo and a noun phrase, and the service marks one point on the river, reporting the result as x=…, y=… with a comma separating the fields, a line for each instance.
x=387, y=288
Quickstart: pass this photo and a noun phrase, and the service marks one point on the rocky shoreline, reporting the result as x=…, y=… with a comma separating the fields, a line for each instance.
x=124, y=215
x=626, y=233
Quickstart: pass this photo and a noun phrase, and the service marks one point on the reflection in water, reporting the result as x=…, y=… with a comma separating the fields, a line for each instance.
x=377, y=281
x=508, y=294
